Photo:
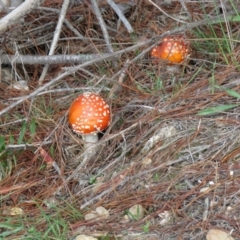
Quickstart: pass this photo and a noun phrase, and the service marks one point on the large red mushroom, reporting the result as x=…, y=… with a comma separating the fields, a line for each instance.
x=88, y=115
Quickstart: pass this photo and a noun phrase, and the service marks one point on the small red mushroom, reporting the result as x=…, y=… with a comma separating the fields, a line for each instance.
x=88, y=115
x=174, y=49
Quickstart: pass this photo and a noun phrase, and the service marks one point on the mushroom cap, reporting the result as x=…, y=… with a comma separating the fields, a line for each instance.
x=89, y=114
x=174, y=49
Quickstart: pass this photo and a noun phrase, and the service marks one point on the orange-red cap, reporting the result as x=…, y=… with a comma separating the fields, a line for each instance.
x=174, y=49
x=88, y=114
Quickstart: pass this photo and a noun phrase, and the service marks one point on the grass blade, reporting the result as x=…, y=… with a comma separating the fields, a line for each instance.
x=22, y=133
x=230, y=92
x=2, y=143
x=233, y=93
x=217, y=109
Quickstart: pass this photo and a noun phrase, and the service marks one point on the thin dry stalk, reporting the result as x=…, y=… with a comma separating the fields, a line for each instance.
x=56, y=37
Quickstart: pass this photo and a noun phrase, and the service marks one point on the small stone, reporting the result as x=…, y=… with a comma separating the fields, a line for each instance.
x=125, y=219
x=90, y=216
x=147, y=161
x=216, y=234
x=85, y=237
x=99, y=213
x=103, y=212
x=204, y=189
x=16, y=211
x=136, y=212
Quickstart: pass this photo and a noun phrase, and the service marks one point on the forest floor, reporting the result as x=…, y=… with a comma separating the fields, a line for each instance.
x=172, y=148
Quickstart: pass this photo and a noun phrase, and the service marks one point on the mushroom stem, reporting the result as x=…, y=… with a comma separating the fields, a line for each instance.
x=90, y=139
x=90, y=148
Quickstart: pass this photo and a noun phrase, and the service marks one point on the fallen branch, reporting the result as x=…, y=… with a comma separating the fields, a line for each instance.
x=18, y=13
x=121, y=16
x=53, y=59
x=102, y=25
x=55, y=37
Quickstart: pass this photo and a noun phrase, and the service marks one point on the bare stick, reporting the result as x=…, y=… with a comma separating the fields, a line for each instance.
x=206, y=208
x=117, y=85
x=185, y=9
x=54, y=59
x=18, y=13
x=56, y=37
x=102, y=25
x=124, y=20
x=25, y=146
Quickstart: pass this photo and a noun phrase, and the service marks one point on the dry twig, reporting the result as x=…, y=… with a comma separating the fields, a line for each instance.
x=121, y=16
x=102, y=25
x=18, y=13
x=56, y=37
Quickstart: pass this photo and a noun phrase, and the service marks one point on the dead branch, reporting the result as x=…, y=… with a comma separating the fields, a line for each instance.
x=53, y=59
x=18, y=13
x=121, y=16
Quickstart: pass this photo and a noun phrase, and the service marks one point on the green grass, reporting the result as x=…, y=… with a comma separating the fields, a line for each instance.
x=146, y=227
x=8, y=229
x=49, y=224
x=221, y=108
x=216, y=40
x=23, y=133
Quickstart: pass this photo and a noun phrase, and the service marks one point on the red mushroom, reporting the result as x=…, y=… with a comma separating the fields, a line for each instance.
x=174, y=49
x=88, y=115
